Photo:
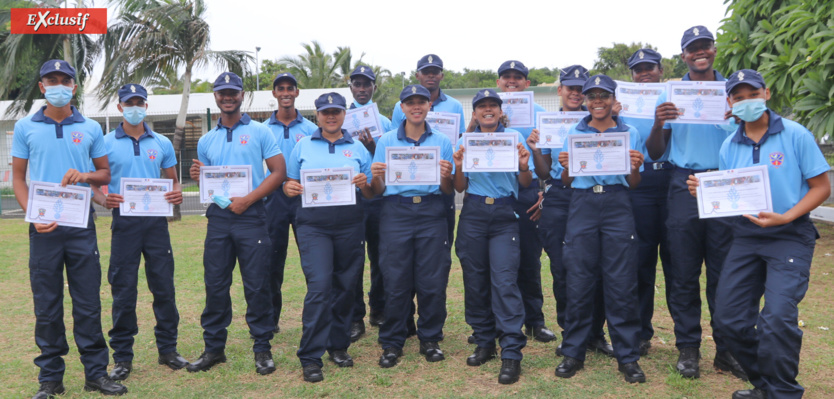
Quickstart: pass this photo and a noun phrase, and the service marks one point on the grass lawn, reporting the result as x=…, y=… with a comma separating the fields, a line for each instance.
x=413, y=377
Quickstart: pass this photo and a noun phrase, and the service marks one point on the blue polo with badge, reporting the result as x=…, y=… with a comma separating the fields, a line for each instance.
x=280, y=210
x=51, y=148
x=600, y=241
x=415, y=250
x=771, y=262
x=231, y=237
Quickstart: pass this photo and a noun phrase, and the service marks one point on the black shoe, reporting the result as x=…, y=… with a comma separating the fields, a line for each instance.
x=632, y=372
x=510, y=370
x=481, y=356
x=559, y=350
x=121, y=370
x=754, y=393
x=600, y=345
x=569, y=367
x=357, y=330
x=206, y=361
x=106, y=386
x=644, y=347
x=376, y=318
x=471, y=339
x=173, y=360
x=263, y=363
x=341, y=358
x=724, y=361
x=49, y=389
x=432, y=352
x=390, y=357
x=541, y=333
x=312, y=373
x=688, y=363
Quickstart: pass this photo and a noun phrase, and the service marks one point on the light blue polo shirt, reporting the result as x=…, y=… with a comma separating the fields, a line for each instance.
x=287, y=135
x=495, y=184
x=582, y=127
x=384, y=122
x=397, y=138
x=790, y=153
x=142, y=158
x=54, y=147
x=694, y=146
x=443, y=103
x=245, y=143
x=644, y=127
x=315, y=152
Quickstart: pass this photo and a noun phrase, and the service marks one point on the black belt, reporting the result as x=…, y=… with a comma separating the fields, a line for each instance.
x=658, y=165
x=600, y=189
x=693, y=171
x=490, y=200
x=411, y=200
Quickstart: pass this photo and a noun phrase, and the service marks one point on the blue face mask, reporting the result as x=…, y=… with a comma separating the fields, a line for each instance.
x=134, y=115
x=221, y=201
x=58, y=95
x=750, y=110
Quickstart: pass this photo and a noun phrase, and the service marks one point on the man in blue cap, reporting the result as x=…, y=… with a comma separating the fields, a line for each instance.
x=363, y=87
x=237, y=228
x=288, y=127
x=58, y=143
x=692, y=241
x=133, y=150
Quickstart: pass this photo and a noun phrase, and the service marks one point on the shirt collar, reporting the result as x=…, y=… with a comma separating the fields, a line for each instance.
x=774, y=126
x=440, y=98
x=718, y=76
x=244, y=120
x=346, y=138
x=585, y=127
x=76, y=117
x=120, y=131
x=497, y=130
x=357, y=105
x=274, y=121
x=401, y=133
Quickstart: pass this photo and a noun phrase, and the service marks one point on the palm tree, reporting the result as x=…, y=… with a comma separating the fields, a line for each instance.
x=316, y=69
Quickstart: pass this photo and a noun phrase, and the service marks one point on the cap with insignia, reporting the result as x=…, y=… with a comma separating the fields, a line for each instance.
x=228, y=80
x=57, y=66
x=131, y=90
x=284, y=76
x=365, y=71
x=600, y=82
x=574, y=75
x=484, y=94
x=695, y=33
x=430, y=60
x=414, y=90
x=745, y=76
x=330, y=100
x=646, y=55
x=513, y=66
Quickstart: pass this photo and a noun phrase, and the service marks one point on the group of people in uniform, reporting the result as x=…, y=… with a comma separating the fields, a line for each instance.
x=602, y=234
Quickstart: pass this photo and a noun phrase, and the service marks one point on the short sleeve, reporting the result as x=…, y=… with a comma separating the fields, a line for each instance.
x=202, y=152
x=294, y=163
x=98, y=149
x=20, y=148
x=379, y=153
x=170, y=157
x=811, y=161
x=269, y=146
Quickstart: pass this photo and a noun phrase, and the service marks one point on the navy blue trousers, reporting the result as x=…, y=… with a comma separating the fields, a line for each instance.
x=488, y=248
x=414, y=256
x=134, y=237
x=774, y=263
x=77, y=249
x=600, y=241
x=280, y=212
x=530, y=266
x=376, y=296
x=332, y=249
x=648, y=201
x=693, y=242
x=242, y=238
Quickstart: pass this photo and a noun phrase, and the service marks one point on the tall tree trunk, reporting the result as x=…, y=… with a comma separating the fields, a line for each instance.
x=179, y=130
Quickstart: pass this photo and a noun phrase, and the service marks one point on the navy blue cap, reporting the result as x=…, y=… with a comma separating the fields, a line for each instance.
x=484, y=94
x=57, y=66
x=228, y=80
x=745, y=76
x=330, y=100
x=284, y=75
x=429, y=60
x=513, y=65
x=131, y=90
x=646, y=55
x=600, y=82
x=414, y=90
x=695, y=33
x=365, y=71
x=574, y=75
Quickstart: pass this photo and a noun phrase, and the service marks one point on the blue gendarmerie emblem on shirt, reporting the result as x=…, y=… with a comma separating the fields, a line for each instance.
x=776, y=159
x=347, y=153
x=299, y=136
x=244, y=139
x=152, y=154
x=77, y=137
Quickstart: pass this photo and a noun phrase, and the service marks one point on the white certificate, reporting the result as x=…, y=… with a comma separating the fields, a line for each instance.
x=363, y=119
x=412, y=166
x=734, y=192
x=49, y=202
x=639, y=100
x=554, y=127
x=699, y=102
x=226, y=181
x=447, y=123
x=518, y=106
x=328, y=187
x=146, y=197
x=599, y=154
x=490, y=152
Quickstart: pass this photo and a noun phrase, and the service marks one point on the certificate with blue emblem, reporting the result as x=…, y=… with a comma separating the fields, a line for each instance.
x=328, y=187
x=599, y=154
x=518, y=106
x=408, y=166
x=554, y=127
x=447, y=123
x=639, y=100
x=362, y=120
x=146, y=197
x=490, y=152
x=67, y=206
x=702, y=103
x=225, y=181
x=734, y=192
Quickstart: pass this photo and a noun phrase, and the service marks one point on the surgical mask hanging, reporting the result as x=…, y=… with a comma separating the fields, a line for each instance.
x=134, y=115
x=58, y=95
x=750, y=110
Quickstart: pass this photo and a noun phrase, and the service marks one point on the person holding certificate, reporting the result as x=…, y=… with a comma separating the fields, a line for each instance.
x=414, y=242
x=599, y=240
x=134, y=151
x=771, y=252
x=693, y=242
x=55, y=144
x=488, y=247
x=237, y=228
